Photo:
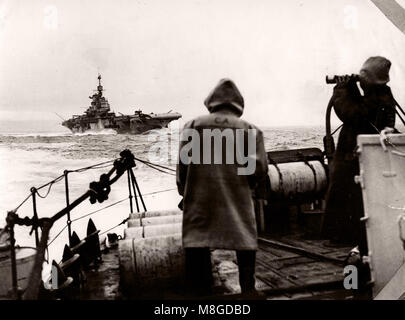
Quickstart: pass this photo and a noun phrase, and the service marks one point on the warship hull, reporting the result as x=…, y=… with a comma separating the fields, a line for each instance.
x=121, y=124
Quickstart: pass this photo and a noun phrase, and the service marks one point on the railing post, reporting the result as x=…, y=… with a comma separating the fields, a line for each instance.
x=130, y=192
x=69, y=222
x=16, y=292
x=34, y=207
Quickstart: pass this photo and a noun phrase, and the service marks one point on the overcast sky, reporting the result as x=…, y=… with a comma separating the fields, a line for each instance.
x=160, y=55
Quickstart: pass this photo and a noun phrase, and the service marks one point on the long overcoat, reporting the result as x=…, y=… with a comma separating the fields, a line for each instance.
x=218, y=210
x=360, y=115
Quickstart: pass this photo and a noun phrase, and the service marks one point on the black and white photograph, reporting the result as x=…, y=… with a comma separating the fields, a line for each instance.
x=220, y=152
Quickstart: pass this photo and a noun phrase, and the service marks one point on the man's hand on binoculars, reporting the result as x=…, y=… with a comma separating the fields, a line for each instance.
x=343, y=79
x=346, y=86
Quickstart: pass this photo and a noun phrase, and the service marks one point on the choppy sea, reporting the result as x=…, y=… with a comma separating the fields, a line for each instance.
x=31, y=158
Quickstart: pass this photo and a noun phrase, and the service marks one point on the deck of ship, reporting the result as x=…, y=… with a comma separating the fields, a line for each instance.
x=287, y=267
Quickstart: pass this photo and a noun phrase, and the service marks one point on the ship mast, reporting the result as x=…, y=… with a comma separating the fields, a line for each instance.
x=99, y=87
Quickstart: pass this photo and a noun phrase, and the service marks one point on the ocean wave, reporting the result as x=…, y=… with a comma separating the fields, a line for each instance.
x=105, y=144
x=33, y=159
x=38, y=134
x=96, y=133
x=60, y=134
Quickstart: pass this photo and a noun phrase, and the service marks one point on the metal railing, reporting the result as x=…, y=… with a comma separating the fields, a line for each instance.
x=97, y=192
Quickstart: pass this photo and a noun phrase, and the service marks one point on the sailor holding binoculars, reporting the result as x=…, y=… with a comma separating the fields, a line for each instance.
x=361, y=114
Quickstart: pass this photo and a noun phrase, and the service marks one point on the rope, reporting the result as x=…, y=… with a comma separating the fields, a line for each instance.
x=93, y=212
x=160, y=170
x=24, y=201
x=161, y=191
x=336, y=129
x=95, y=166
x=49, y=189
x=50, y=183
x=86, y=215
x=113, y=204
x=59, y=233
x=400, y=108
x=155, y=166
x=122, y=222
x=100, y=165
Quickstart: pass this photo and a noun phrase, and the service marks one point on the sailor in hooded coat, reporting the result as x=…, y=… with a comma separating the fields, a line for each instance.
x=218, y=208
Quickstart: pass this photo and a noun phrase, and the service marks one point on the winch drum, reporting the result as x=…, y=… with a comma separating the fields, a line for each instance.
x=305, y=179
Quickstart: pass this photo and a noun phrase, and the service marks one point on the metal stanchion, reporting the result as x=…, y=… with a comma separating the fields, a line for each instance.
x=10, y=227
x=34, y=207
x=69, y=222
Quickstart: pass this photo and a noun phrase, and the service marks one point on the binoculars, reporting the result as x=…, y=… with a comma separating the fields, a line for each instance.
x=333, y=79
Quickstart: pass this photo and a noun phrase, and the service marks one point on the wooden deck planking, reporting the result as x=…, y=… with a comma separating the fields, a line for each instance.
x=275, y=269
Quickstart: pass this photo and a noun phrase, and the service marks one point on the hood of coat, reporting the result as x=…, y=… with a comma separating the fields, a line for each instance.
x=225, y=94
x=375, y=71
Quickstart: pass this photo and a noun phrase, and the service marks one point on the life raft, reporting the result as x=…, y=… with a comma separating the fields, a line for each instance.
x=25, y=258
